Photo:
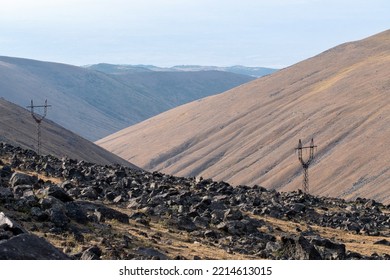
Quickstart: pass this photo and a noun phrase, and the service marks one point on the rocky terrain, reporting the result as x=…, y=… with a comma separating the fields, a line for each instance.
x=69, y=209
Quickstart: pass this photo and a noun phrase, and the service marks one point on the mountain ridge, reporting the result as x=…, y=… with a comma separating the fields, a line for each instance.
x=247, y=135
x=118, y=69
x=94, y=104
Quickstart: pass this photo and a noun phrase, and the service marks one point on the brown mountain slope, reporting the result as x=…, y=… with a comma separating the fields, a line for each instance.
x=247, y=135
x=18, y=128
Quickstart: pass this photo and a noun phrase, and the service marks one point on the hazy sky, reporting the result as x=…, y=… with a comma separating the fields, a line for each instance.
x=273, y=33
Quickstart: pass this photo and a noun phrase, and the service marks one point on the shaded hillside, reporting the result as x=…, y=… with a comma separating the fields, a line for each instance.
x=18, y=128
x=94, y=104
x=168, y=89
x=247, y=135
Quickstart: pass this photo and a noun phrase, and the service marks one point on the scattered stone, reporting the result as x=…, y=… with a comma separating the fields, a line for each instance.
x=118, y=199
x=89, y=193
x=186, y=223
x=382, y=242
x=211, y=234
x=329, y=250
x=59, y=193
x=273, y=246
x=232, y=215
x=92, y=253
x=39, y=215
x=151, y=253
x=5, y=193
x=298, y=248
x=76, y=212
x=22, y=179
x=11, y=226
x=5, y=171
x=20, y=189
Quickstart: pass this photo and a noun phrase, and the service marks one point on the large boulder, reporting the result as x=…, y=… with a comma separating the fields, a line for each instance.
x=27, y=246
x=17, y=244
x=92, y=253
x=151, y=253
x=298, y=248
x=329, y=249
x=58, y=192
x=18, y=179
x=7, y=224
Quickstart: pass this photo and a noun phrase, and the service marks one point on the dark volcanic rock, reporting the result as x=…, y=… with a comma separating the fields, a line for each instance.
x=75, y=212
x=8, y=224
x=211, y=234
x=5, y=171
x=92, y=253
x=298, y=248
x=5, y=193
x=89, y=193
x=106, y=212
x=18, y=244
x=328, y=249
x=29, y=247
x=57, y=215
x=19, y=190
x=231, y=214
x=184, y=223
x=59, y=193
x=38, y=214
x=151, y=253
x=382, y=242
x=22, y=179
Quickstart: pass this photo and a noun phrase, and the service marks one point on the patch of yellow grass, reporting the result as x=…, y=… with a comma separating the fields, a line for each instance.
x=345, y=71
x=174, y=243
x=361, y=244
x=45, y=178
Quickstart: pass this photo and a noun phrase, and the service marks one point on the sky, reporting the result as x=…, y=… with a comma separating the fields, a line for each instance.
x=272, y=33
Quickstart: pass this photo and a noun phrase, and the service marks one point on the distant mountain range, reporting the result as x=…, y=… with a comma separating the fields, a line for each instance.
x=94, y=104
x=247, y=135
x=125, y=69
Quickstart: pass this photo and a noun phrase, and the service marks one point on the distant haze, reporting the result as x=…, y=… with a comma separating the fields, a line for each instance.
x=268, y=33
x=128, y=69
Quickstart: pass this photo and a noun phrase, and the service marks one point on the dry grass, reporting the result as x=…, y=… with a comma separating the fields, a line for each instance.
x=44, y=177
x=361, y=244
x=172, y=242
x=39, y=175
